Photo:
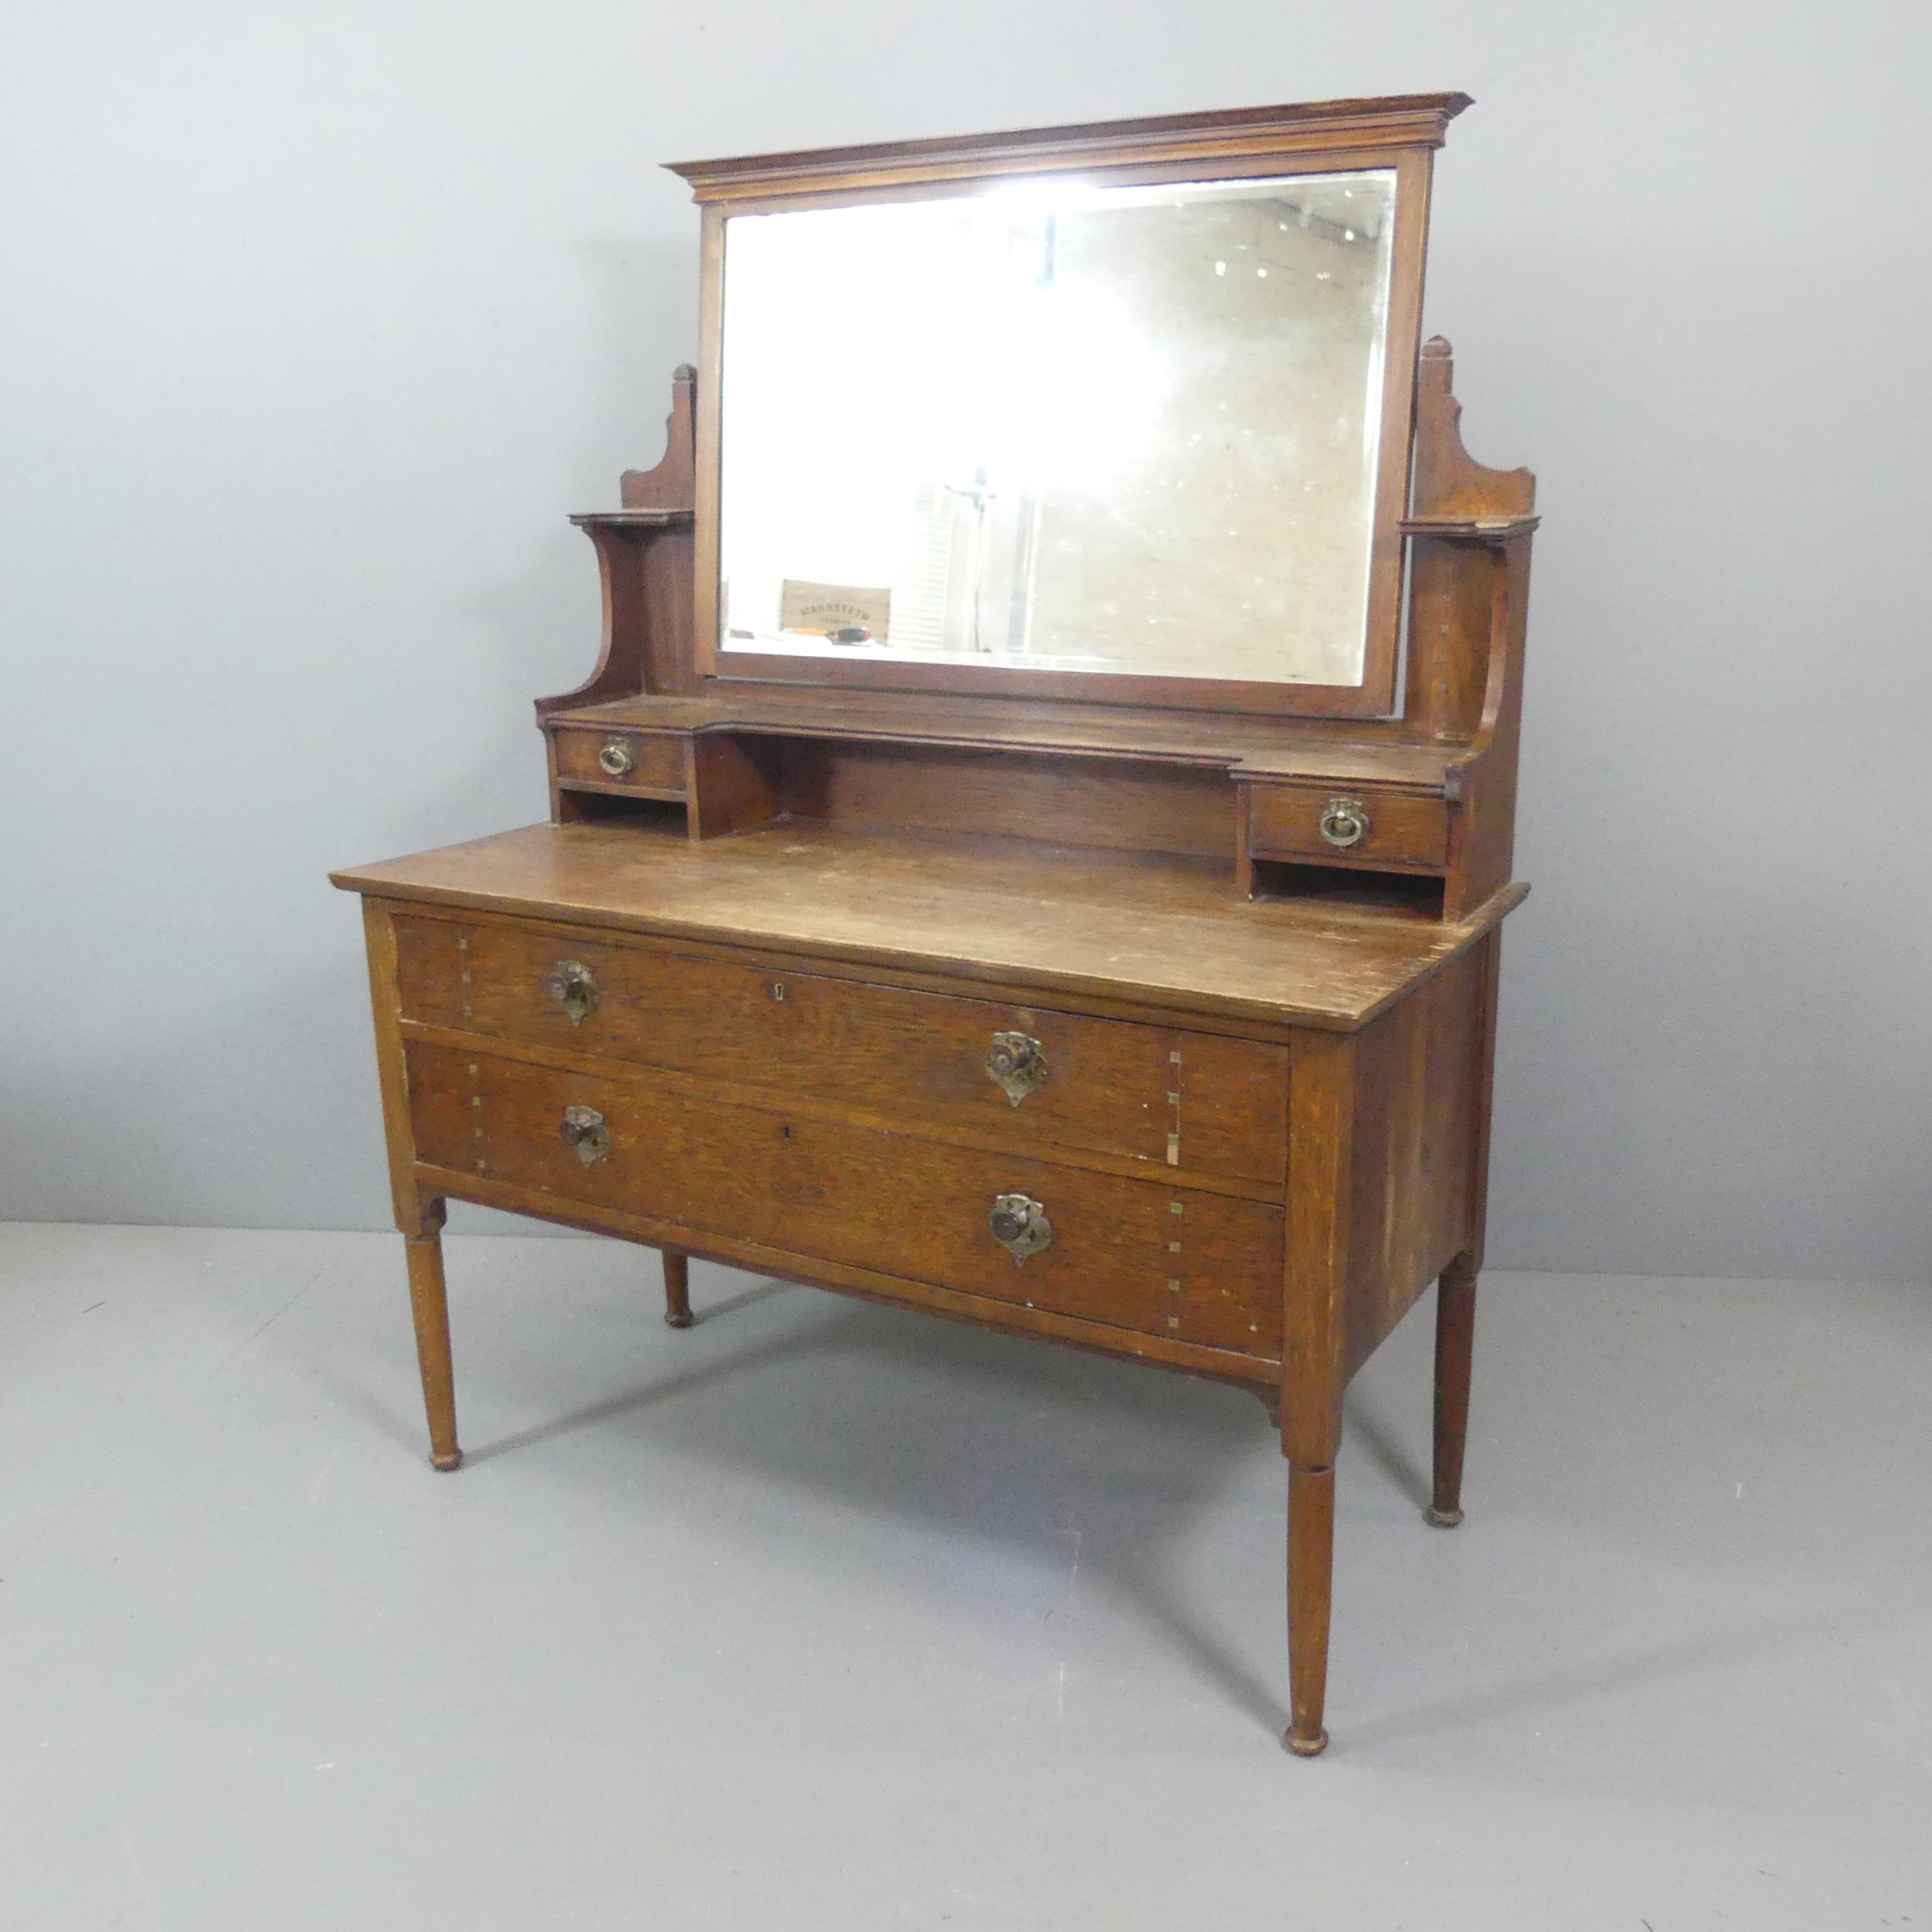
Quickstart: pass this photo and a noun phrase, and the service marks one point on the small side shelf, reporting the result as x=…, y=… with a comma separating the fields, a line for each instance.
x=1470, y=529
x=630, y=519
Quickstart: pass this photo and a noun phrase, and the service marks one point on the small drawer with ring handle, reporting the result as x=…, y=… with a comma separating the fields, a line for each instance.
x=645, y=761
x=1375, y=826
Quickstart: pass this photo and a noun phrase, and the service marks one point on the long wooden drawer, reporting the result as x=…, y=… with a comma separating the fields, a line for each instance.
x=1140, y=1254
x=1172, y=1098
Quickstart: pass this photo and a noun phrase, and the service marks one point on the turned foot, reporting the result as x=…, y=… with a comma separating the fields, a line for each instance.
x=1310, y=1588
x=677, y=1290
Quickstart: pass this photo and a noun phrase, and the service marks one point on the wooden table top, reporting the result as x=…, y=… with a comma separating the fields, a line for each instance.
x=1138, y=930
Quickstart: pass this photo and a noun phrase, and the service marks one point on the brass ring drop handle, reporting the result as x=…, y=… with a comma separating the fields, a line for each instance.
x=1344, y=822
x=1015, y=1065
x=1019, y=1225
x=583, y=1129
x=617, y=759
x=570, y=983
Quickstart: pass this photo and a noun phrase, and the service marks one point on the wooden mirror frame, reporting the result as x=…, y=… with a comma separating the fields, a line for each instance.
x=1398, y=133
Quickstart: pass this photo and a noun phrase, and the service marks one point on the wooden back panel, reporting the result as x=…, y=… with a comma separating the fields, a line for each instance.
x=1468, y=533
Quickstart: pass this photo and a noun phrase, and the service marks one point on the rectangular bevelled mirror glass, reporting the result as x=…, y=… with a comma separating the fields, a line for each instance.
x=1048, y=425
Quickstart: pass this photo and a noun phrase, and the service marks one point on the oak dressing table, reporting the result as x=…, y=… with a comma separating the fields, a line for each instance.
x=1033, y=848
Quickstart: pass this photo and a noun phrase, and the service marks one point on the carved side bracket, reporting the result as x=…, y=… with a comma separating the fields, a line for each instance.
x=673, y=484
x=1449, y=484
x=645, y=559
x=1468, y=586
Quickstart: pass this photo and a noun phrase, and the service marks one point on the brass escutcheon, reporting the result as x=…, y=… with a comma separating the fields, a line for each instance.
x=1016, y=1065
x=1344, y=822
x=583, y=1129
x=1020, y=1226
x=616, y=758
x=570, y=983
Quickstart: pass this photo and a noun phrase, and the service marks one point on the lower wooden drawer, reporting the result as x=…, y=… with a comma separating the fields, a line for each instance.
x=1202, y=1268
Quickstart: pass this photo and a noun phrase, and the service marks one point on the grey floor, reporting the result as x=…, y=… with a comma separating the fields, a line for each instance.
x=824, y=1615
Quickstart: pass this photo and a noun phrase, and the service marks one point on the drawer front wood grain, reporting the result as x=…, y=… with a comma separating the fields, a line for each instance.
x=656, y=765
x=1175, y=1099
x=1203, y=1268
x=1405, y=831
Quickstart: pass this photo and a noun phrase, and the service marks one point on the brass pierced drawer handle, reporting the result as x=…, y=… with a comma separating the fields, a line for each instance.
x=570, y=983
x=583, y=1129
x=1344, y=822
x=616, y=758
x=1016, y=1065
x=1020, y=1226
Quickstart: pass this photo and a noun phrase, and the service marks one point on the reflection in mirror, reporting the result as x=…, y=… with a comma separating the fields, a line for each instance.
x=1125, y=429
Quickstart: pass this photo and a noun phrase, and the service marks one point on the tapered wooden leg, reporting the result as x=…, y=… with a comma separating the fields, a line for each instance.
x=1310, y=1589
x=1455, y=1350
x=430, y=1303
x=677, y=1289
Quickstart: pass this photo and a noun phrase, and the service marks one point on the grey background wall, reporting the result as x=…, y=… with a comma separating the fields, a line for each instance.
x=316, y=320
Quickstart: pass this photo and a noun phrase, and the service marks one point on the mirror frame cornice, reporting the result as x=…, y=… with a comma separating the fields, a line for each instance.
x=1398, y=133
